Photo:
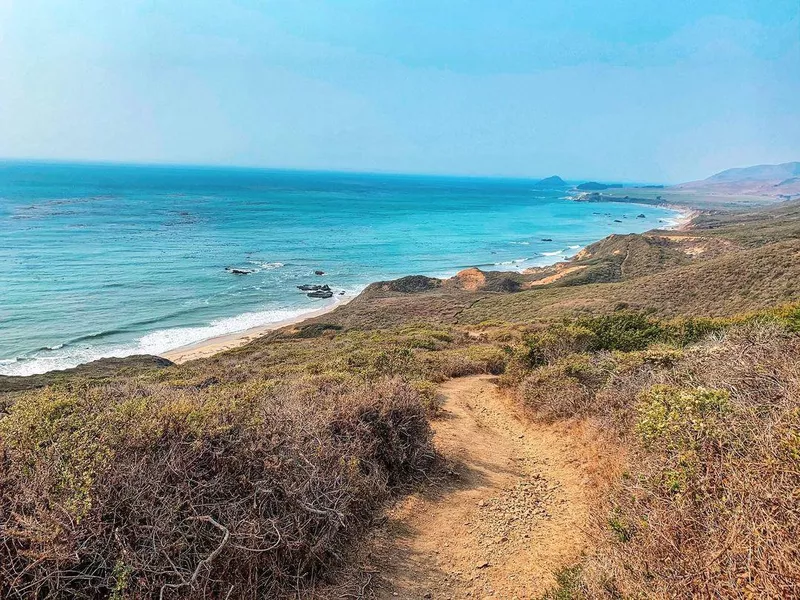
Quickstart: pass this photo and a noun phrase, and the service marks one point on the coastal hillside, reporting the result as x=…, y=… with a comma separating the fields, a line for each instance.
x=622, y=424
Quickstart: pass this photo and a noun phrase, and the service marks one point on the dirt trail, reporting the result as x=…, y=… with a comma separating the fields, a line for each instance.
x=514, y=514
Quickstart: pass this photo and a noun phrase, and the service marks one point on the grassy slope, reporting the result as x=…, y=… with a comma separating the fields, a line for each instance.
x=293, y=442
x=735, y=282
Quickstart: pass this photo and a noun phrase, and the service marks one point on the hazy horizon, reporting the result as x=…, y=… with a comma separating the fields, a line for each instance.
x=629, y=92
x=567, y=177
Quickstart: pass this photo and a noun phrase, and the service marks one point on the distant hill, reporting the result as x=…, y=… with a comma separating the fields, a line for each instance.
x=779, y=181
x=759, y=173
x=551, y=182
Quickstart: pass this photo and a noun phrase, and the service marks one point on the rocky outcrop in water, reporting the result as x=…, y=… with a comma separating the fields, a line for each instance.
x=314, y=288
x=595, y=186
x=551, y=182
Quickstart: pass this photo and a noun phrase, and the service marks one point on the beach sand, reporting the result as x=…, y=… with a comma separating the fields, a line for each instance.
x=222, y=343
x=684, y=222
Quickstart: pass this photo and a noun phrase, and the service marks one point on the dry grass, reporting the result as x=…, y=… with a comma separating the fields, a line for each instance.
x=709, y=504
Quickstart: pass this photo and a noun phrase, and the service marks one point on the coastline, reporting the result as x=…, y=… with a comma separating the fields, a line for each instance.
x=685, y=221
x=215, y=345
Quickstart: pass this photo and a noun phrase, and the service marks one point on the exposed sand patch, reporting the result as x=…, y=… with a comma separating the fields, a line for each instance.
x=555, y=276
x=471, y=279
x=694, y=245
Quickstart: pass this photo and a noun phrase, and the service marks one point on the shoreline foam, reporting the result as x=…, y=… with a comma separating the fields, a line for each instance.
x=215, y=345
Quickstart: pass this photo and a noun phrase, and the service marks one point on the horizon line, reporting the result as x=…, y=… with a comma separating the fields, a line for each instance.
x=354, y=171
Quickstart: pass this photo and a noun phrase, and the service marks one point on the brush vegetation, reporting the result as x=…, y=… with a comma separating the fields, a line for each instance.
x=707, y=505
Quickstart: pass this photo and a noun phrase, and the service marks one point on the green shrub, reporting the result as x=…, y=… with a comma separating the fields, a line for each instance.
x=624, y=331
x=546, y=345
x=569, y=585
x=681, y=419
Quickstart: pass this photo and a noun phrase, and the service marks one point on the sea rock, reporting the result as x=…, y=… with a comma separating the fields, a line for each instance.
x=593, y=185
x=319, y=272
x=551, y=182
x=547, y=239
x=640, y=216
x=617, y=221
x=314, y=288
x=320, y=294
x=238, y=271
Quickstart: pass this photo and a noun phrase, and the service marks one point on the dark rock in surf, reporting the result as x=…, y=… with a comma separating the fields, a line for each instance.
x=320, y=294
x=547, y=239
x=314, y=288
x=319, y=272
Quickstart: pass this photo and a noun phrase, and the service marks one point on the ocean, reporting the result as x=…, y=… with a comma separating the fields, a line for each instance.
x=114, y=260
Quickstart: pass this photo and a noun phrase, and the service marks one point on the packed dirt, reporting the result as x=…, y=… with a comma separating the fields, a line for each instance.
x=512, y=513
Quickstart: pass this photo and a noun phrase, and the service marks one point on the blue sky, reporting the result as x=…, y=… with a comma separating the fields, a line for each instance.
x=633, y=90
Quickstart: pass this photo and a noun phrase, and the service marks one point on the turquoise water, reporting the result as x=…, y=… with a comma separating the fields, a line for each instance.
x=109, y=260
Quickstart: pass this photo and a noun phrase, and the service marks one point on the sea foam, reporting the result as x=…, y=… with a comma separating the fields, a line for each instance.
x=157, y=342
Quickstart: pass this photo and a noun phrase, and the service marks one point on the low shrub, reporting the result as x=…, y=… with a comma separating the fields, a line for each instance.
x=548, y=344
x=133, y=490
x=566, y=388
x=709, y=506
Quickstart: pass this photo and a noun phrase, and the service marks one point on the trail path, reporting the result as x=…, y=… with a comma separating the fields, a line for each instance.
x=515, y=513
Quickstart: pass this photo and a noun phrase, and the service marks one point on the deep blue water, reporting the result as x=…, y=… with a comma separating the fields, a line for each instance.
x=112, y=260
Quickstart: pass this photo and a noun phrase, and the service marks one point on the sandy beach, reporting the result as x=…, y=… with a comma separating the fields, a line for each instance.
x=222, y=343
x=684, y=222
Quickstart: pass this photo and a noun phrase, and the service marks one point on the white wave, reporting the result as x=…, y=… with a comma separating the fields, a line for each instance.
x=266, y=266
x=521, y=243
x=556, y=253
x=575, y=247
x=158, y=342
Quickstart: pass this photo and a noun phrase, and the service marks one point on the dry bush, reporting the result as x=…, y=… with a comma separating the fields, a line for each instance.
x=710, y=506
x=247, y=490
x=709, y=502
x=563, y=390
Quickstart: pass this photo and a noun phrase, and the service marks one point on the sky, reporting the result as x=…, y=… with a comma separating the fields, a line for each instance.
x=630, y=90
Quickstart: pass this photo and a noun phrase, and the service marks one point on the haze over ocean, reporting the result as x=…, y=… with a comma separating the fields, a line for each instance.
x=114, y=260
